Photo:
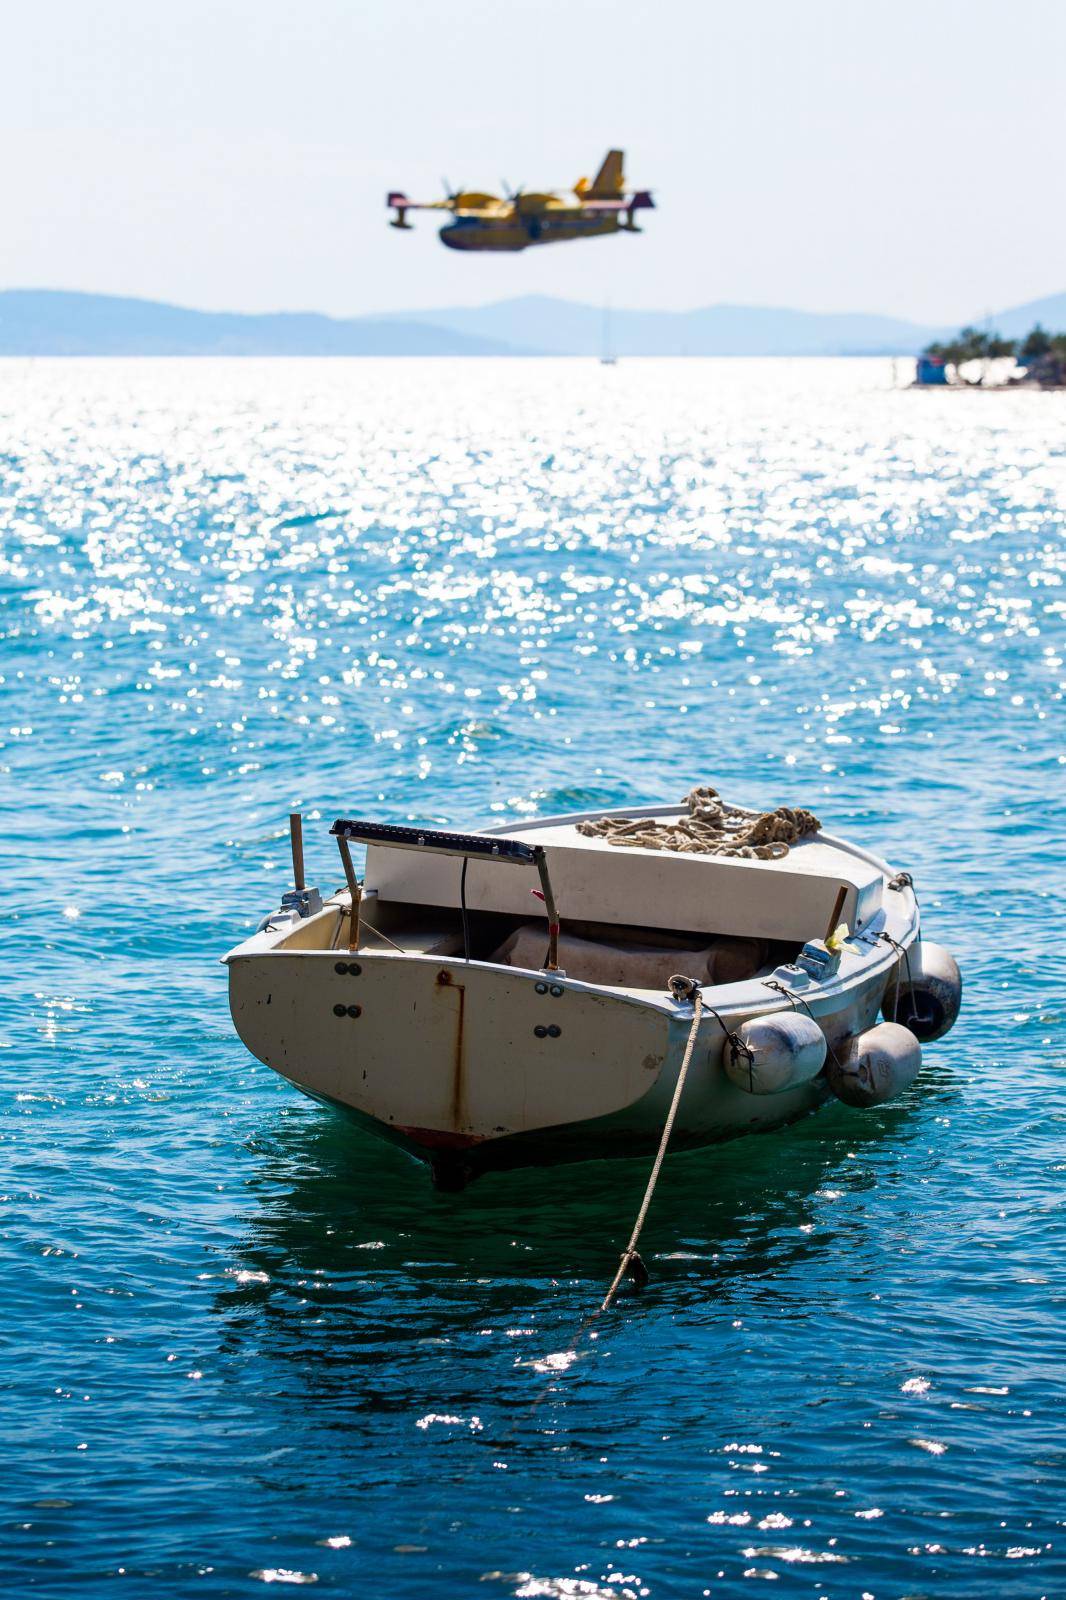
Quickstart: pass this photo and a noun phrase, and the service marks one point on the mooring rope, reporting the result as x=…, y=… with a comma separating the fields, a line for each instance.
x=630, y=1264
x=712, y=827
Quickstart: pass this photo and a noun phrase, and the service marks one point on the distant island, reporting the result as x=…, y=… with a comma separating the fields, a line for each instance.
x=53, y=322
x=1040, y=355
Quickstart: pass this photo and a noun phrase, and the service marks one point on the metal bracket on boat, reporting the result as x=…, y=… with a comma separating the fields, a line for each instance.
x=299, y=901
x=689, y=989
x=790, y=973
x=304, y=902
x=440, y=841
x=818, y=960
x=818, y=957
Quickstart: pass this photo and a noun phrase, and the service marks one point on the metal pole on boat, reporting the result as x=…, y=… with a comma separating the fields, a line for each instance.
x=834, y=920
x=353, y=889
x=296, y=840
x=552, y=963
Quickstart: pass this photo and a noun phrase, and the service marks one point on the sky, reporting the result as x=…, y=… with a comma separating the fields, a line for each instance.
x=834, y=155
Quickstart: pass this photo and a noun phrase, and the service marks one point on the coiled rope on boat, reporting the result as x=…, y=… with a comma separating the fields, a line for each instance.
x=712, y=827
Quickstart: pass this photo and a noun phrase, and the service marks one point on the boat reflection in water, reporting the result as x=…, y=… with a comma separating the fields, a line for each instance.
x=347, y=1261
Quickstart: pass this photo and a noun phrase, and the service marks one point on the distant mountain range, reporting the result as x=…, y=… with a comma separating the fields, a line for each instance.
x=562, y=327
x=53, y=322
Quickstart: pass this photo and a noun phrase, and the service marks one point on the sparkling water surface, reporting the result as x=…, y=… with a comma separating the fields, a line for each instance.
x=246, y=1344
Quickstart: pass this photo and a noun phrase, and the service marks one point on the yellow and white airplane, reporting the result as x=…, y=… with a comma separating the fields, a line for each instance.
x=487, y=222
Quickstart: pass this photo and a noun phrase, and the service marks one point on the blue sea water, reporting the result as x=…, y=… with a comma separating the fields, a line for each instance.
x=244, y=1344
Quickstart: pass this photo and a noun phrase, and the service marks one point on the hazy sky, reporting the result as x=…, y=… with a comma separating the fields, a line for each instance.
x=879, y=155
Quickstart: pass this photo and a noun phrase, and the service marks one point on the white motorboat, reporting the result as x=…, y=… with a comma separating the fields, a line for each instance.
x=525, y=995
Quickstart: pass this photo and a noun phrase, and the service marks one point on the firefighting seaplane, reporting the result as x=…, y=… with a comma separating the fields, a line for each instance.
x=489, y=222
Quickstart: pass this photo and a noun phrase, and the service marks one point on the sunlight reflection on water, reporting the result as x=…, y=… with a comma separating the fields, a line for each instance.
x=258, y=1349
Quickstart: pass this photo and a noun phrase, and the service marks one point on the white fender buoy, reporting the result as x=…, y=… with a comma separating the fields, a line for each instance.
x=927, y=1002
x=879, y=1065
x=777, y=1052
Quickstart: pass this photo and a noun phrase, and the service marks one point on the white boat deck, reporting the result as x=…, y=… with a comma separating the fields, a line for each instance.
x=791, y=898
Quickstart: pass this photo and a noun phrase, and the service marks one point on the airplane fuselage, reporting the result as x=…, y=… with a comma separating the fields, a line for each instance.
x=476, y=233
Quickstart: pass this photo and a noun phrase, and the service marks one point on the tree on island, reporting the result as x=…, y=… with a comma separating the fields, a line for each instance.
x=1042, y=354
x=971, y=345
x=1036, y=343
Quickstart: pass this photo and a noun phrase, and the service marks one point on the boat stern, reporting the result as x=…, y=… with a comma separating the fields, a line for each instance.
x=445, y=1054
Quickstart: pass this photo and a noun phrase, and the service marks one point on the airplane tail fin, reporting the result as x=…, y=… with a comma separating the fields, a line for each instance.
x=608, y=183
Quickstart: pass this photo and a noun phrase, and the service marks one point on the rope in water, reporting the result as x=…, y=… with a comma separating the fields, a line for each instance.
x=712, y=827
x=630, y=1264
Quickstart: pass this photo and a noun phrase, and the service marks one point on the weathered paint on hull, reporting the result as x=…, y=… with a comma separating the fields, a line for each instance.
x=462, y=1052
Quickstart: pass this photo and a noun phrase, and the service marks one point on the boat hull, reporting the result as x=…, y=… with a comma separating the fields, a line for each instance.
x=473, y=1067
x=476, y=1064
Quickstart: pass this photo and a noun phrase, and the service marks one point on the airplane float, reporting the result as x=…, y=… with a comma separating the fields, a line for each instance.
x=489, y=222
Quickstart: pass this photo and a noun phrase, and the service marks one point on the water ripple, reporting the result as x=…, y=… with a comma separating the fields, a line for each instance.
x=253, y=1346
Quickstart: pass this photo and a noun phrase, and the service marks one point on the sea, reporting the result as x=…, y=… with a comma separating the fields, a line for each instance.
x=247, y=1345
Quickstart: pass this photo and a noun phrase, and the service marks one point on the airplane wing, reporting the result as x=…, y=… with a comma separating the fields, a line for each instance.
x=395, y=200
x=463, y=203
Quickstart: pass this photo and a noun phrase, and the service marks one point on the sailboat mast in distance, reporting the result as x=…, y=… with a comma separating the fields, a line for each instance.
x=607, y=355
